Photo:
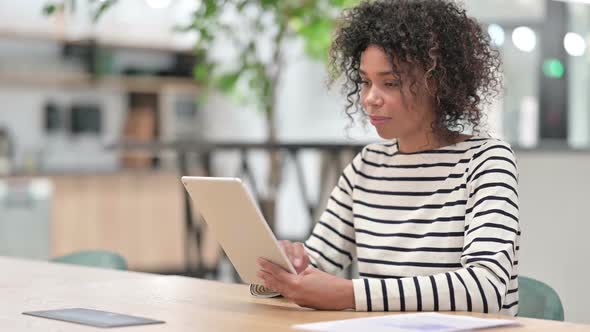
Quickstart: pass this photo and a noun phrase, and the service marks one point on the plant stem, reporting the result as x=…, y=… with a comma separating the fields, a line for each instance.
x=270, y=111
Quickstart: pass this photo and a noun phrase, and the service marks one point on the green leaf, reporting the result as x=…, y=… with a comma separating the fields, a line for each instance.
x=49, y=9
x=241, y=5
x=201, y=72
x=210, y=8
x=317, y=37
x=184, y=28
x=299, y=12
x=270, y=3
x=227, y=82
x=102, y=8
x=344, y=3
x=296, y=24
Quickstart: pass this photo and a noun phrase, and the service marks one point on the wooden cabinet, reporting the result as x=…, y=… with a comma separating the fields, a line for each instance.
x=139, y=215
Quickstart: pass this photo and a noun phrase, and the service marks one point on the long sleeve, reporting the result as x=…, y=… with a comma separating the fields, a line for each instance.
x=332, y=242
x=487, y=276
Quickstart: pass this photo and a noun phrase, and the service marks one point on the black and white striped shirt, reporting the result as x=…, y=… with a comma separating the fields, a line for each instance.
x=432, y=230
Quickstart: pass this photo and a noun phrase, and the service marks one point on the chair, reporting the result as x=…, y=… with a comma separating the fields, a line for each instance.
x=94, y=258
x=538, y=300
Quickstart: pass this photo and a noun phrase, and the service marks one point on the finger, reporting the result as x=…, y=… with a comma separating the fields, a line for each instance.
x=285, y=244
x=301, y=256
x=268, y=281
x=278, y=273
x=268, y=266
x=278, y=279
x=288, y=249
x=309, y=270
x=264, y=264
x=272, y=283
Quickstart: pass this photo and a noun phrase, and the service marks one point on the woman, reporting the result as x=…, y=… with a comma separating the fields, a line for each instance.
x=431, y=215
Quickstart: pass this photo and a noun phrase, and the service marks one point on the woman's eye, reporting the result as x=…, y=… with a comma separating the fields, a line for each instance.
x=391, y=84
x=363, y=82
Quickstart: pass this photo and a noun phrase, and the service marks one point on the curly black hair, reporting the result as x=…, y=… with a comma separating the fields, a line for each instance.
x=436, y=35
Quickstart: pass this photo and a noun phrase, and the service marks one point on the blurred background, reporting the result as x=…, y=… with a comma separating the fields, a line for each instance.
x=105, y=104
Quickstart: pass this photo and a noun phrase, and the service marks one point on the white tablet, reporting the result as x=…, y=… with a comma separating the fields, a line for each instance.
x=237, y=224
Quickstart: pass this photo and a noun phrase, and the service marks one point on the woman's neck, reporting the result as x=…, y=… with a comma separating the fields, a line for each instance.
x=422, y=141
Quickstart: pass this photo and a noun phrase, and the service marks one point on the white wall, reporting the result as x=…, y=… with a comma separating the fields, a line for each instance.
x=497, y=11
x=554, y=199
x=579, y=79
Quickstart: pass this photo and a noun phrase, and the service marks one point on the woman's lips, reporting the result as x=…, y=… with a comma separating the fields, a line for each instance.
x=379, y=120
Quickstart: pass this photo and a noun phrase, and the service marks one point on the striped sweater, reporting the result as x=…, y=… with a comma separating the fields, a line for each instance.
x=432, y=230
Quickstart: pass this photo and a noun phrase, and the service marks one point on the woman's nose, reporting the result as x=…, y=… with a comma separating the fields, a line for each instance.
x=373, y=98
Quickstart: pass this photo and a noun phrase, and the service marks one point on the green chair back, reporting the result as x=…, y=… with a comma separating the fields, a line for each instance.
x=94, y=258
x=538, y=300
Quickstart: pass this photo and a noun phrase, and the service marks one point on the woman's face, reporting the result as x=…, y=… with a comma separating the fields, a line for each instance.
x=392, y=108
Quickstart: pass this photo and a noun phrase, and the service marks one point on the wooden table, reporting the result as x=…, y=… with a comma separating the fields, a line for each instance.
x=186, y=304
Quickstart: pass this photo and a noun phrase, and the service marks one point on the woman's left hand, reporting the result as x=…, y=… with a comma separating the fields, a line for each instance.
x=311, y=288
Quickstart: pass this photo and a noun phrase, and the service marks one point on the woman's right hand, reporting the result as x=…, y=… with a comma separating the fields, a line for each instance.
x=296, y=254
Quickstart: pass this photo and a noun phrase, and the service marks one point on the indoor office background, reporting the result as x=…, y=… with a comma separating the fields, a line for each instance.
x=73, y=92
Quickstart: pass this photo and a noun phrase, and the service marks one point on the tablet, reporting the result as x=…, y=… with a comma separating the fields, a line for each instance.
x=236, y=222
x=91, y=317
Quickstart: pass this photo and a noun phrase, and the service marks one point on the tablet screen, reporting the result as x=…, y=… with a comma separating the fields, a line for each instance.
x=92, y=317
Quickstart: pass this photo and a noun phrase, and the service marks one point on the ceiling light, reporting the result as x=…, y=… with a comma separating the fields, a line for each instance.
x=497, y=35
x=574, y=44
x=524, y=38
